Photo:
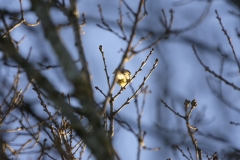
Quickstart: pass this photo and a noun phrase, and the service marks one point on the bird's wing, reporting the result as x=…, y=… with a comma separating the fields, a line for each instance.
x=120, y=76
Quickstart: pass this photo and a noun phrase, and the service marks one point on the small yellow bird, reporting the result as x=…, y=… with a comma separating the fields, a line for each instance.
x=123, y=77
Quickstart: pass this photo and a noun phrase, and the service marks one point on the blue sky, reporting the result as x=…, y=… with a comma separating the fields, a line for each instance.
x=178, y=76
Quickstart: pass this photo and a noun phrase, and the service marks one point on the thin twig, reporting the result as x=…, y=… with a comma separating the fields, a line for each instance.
x=184, y=155
x=105, y=66
x=212, y=72
x=228, y=38
x=106, y=26
x=100, y=91
x=120, y=21
x=165, y=104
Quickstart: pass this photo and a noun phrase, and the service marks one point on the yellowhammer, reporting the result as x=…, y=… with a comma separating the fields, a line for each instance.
x=123, y=76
